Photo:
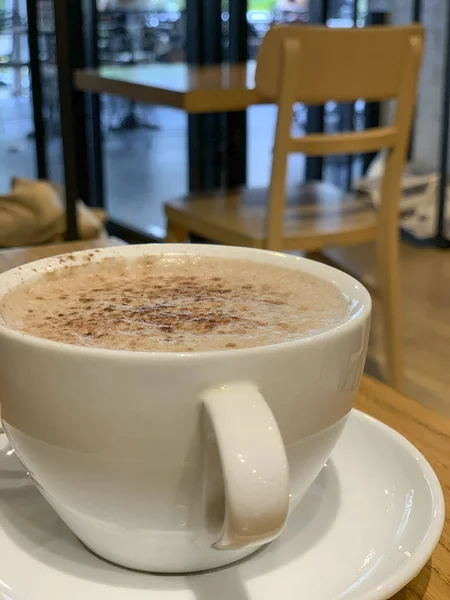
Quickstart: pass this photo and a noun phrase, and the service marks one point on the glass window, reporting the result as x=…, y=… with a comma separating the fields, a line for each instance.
x=17, y=150
x=145, y=147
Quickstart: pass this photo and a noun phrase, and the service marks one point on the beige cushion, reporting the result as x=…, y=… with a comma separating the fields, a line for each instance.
x=34, y=213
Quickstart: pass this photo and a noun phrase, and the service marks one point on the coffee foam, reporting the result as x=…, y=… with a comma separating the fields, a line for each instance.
x=175, y=303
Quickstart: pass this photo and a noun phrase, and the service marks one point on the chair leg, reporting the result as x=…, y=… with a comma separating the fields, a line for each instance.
x=391, y=308
x=176, y=234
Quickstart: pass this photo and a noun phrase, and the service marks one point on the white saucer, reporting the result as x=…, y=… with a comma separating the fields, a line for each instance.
x=366, y=527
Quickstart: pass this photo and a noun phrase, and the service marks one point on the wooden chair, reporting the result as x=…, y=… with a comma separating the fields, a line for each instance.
x=313, y=65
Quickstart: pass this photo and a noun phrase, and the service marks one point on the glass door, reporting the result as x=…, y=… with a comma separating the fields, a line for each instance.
x=48, y=72
x=17, y=148
x=144, y=146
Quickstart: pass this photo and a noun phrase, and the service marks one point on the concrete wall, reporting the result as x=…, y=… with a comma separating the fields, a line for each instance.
x=428, y=116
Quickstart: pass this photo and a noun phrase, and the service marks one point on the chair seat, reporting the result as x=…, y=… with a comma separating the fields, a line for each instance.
x=317, y=215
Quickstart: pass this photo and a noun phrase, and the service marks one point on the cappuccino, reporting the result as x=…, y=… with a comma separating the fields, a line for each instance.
x=174, y=303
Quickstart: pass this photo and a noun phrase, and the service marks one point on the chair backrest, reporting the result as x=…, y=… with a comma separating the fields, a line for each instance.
x=316, y=64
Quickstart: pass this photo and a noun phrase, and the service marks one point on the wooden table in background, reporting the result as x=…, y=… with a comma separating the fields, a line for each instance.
x=221, y=89
x=195, y=89
x=427, y=430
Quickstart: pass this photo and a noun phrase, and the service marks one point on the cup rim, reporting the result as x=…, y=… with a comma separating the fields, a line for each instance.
x=347, y=284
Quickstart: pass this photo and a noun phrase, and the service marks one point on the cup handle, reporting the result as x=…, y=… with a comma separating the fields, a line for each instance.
x=254, y=466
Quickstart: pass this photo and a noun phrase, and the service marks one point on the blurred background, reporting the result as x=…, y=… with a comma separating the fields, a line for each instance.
x=144, y=151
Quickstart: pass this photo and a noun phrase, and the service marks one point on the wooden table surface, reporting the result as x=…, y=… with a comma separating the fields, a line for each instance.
x=195, y=89
x=427, y=430
x=14, y=257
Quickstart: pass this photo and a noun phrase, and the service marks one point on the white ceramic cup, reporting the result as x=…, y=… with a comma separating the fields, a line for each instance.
x=175, y=462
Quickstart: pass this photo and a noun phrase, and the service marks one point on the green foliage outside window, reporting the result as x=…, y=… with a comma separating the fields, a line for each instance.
x=261, y=4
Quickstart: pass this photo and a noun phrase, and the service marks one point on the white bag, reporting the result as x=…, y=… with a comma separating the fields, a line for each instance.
x=419, y=197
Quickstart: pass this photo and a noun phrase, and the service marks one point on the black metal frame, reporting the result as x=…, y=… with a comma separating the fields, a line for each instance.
x=348, y=114
x=70, y=55
x=235, y=158
x=441, y=240
x=316, y=114
x=36, y=90
x=93, y=110
x=416, y=11
x=416, y=14
x=204, y=47
x=211, y=40
x=194, y=52
x=372, y=109
x=217, y=142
